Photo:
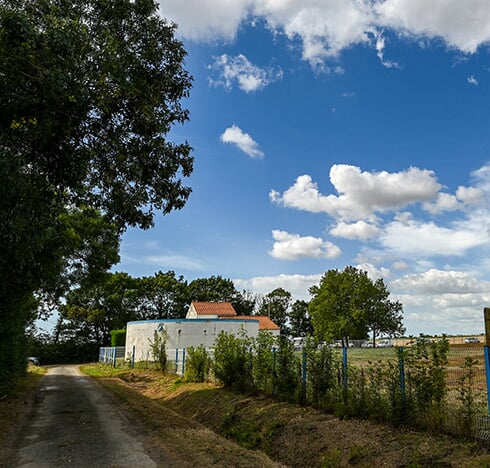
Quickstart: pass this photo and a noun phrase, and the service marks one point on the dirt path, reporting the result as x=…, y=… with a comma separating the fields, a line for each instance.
x=74, y=423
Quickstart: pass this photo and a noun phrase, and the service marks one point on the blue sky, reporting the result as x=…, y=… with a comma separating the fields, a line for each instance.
x=333, y=133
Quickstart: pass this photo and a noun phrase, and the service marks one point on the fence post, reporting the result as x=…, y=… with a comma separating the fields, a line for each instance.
x=114, y=361
x=304, y=367
x=183, y=362
x=176, y=360
x=401, y=365
x=344, y=369
x=486, y=351
x=132, y=357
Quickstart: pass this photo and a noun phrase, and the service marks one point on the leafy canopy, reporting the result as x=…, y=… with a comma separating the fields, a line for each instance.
x=348, y=305
x=89, y=91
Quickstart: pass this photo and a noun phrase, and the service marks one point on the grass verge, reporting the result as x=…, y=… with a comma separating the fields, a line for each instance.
x=289, y=434
x=15, y=406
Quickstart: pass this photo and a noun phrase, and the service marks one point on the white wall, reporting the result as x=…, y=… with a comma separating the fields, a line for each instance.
x=182, y=334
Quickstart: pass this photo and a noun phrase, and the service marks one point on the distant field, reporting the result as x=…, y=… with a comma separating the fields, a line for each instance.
x=453, y=340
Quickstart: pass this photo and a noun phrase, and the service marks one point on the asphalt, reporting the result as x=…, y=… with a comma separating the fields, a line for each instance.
x=75, y=424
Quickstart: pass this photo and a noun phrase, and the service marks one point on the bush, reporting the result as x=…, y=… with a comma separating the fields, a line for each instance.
x=118, y=337
x=158, y=348
x=264, y=362
x=232, y=361
x=197, y=364
x=287, y=372
x=322, y=370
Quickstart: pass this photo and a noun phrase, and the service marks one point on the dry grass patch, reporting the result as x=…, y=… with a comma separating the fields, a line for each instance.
x=178, y=414
x=15, y=407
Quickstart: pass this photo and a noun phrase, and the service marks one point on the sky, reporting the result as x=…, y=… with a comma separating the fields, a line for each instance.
x=329, y=133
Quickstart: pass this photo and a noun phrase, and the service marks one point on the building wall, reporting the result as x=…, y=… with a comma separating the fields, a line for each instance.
x=182, y=334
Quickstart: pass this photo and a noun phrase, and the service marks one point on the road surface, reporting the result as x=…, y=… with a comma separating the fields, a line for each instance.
x=75, y=424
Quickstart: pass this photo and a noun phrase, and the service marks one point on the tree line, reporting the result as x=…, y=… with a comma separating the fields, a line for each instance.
x=345, y=305
x=89, y=313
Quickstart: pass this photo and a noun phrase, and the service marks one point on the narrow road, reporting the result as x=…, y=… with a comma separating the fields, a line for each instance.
x=75, y=424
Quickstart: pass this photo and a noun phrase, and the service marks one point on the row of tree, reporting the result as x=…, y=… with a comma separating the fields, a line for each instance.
x=345, y=305
x=90, y=311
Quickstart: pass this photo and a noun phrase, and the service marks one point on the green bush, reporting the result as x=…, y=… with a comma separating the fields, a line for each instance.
x=118, y=337
x=287, y=372
x=264, y=348
x=158, y=348
x=197, y=364
x=322, y=369
x=232, y=361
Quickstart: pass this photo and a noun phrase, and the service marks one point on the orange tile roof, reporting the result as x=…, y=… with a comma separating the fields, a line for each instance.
x=265, y=323
x=221, y=309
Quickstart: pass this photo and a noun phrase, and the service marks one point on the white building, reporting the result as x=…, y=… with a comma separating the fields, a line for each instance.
x=203, y=323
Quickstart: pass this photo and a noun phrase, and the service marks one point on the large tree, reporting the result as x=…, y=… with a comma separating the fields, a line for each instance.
x=89, y=90
x=348, y=304
x=299, y=319
x=162, y=296
x=90, y=313
x=276, y=306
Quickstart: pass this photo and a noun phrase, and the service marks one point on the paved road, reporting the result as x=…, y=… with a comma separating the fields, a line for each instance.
x=75, y=424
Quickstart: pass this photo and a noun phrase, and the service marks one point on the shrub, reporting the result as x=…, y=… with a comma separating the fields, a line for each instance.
x=232, y=361
x=322, y=368
x=287, y=372
x=264, y=362
x=158, y=348
x=118, y=337
x=197, y=364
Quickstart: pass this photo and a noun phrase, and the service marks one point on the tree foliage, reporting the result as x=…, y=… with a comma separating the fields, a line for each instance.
x=219, y=289
x=276, y=306
x=348, y=304
x=299, y=319
x=89, y=91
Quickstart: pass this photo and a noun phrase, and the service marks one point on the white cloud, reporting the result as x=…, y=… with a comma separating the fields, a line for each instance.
x=297, y=285
x=470, y=195
x=443, y=202
x=373, y=272
x=328, y=27
x=472, y=80
x=206, y=20
x=463, y=25
x=324, y=28
x=425, y=239
x=436, y=281
x=359, y=230
x=292, y=247
x=465, y=196
x=380, y=46
x=239, y=69
x=361, y=194
x=172, y=262
x=242, y=141
x=443, y=301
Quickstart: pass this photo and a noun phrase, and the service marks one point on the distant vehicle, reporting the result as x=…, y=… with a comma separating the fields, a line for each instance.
x=471, y=340
x=33, y=360
x=384, y=344
x=338, y=344
x=367, y=344
x=424, y=340
x=298, y=343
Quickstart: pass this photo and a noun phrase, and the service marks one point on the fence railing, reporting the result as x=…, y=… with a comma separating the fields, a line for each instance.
x=110, y=355
x=377, y=372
